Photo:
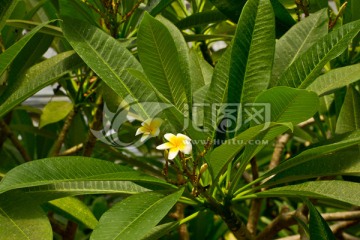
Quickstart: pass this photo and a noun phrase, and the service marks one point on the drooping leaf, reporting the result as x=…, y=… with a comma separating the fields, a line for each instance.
x=38, y=77
x=54, y=112
x=296, y=41
x=161, y=61
x=67, y=169
x=252, y=52
x=335, y=79
x=109, y=59
x=307, y=67
x=319, y=229
x=21, y=218
x=74, y=209
x=160, y=6
x=131, y=213
x=231, y=8
x=348, y=192
x=349, y=117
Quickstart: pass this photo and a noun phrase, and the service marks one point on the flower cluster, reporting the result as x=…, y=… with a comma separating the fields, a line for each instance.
x=176, y=143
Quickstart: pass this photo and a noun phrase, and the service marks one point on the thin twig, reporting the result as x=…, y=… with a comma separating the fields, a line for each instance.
x=65, y=129
x=15, y=141
x=280, y=144
x=95, y=125
x=72, y=150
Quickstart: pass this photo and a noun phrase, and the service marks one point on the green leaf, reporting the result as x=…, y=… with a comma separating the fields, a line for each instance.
x=108, y=59
x=53, y=191
x=38, y=77
x=289, y=104
x=252, y=52
x=48, y=29
x=231, y=8
x=21, y=218
x=319, y=229
x=65, y=169
x=349, y=117
x=74, y=209
x=201, y=18
x=160, y=230
x=222, y=155
x=7, y=57
x=325, y=151
x=348, y=192
x=6, y=8
x=158, y=8
x=297, y=41
x=131, y=214
x=343, y=162
x=54, y=112
x=335, y=79
x=307, y=67
x=161, y=61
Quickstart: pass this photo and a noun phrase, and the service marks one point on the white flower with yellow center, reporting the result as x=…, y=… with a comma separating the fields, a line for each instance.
x=149, y=128
x=177, y=143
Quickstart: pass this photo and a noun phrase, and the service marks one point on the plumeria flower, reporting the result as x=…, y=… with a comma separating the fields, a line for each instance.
x=177, y=143
x=150, y=128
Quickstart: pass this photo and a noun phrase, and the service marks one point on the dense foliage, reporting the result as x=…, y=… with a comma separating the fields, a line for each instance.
x=195, y=119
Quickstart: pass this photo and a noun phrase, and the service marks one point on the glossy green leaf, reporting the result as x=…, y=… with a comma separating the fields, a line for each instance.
x=335, y=79
x=222, y=155
x=319, y=229
x=38, y=77
x=297, y=40
x=307, y=67
x=131, y=213
x=21, y=218
x=252, y=52
x=76, y=210
x=6, y=8
x=349, y=117
x=108, y=58
x=65, y=169
x=160, y=6
x=348, y=192
x=288, y=104
x=54, y=112
x=201, y=18
x=10, y=54
x=325, y=151
x=343, y=162
x=160, y=59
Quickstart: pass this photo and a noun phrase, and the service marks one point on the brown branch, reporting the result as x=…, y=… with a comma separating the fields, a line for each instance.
x=95, y=125
x=65, y=129
x=72, y=150
x=280, y=144
x=255, y=207
x=341, y=216
x=179, y=215
x=70, y=231
x=338, y=227
x=15, y=141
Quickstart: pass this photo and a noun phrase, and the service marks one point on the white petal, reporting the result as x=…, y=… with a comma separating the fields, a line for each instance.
x=164, y=146
x=187, y=149
x=144, y=137
x=156, y=122
x=147, y=122
x=169, y=136
x=183, y=136
x=156, y=133
x=139, y=131
x=172, y=153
